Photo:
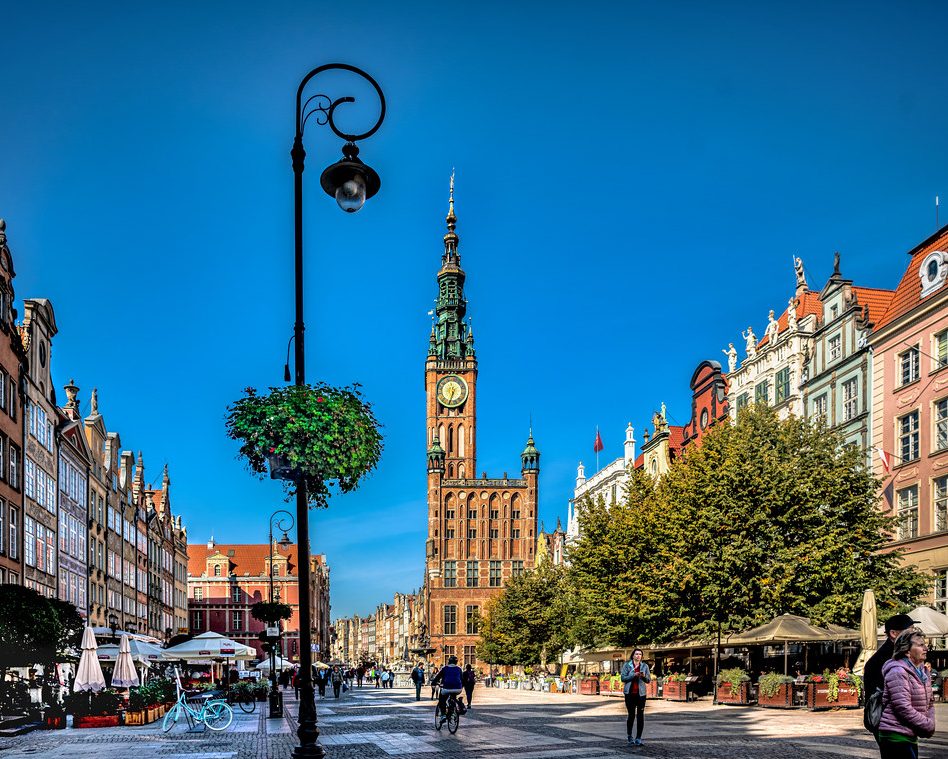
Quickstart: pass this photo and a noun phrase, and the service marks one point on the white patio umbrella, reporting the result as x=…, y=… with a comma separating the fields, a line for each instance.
x=124, y=674
x=89, y=676
x=867, y=631
x=209, y=646
x=142, y=652
x=932, y=623
x=280, y=664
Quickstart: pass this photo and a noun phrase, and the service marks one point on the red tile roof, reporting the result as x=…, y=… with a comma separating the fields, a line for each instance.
x=809, y=304
x=676, y=437
x=877, y=300
x=245, y=559
x=909, y=292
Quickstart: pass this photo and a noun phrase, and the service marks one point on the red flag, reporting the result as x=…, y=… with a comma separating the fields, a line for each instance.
x=886, y=459
x=598, y=446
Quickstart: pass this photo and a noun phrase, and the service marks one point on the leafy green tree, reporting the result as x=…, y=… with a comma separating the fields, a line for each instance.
x=524, y=624
x=33, y=629
x=765, y=517
x=271, y=611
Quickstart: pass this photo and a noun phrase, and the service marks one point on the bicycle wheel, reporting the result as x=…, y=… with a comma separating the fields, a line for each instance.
x=218, y=715
x=171, y=718
x=438, y=722
x=454, y=719
x=247, y=704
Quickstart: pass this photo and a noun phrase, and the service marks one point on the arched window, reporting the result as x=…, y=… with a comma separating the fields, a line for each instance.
x=461, y=440
x=461, y=474
x=450, y=439
x=217, y=570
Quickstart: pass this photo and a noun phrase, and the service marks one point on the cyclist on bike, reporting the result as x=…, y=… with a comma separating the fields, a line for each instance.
x=451, y=685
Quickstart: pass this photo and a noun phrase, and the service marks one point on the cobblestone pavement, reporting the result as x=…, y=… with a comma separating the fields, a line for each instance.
x=389, y=723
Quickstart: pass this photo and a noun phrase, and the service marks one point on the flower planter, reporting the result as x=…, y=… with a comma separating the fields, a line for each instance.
x=651, y=688
x=723, y=694
x=589, y=686
x=55, y=721
x=108, y=720
x=280, y=468
x=782, y=699
x=817, y=696
x=675, y=690
x=135, y=718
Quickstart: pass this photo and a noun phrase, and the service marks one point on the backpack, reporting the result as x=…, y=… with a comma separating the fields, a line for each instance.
x=872, y=713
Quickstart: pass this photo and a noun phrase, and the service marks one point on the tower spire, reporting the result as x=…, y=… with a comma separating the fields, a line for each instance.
x=451, y=338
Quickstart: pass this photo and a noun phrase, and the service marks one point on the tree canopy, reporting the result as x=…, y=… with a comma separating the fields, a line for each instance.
x=33, y=628
x=524, y=623
x=765, y=517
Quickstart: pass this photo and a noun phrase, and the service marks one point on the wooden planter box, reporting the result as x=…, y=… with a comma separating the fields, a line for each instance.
x=651, y=688
x=109, y=720
x=723, y=694
x=782, y=699
x=135, y=718
x=816, y=697
x=609, y=688
x=54, y=721
x=589, y=686
x=675, y=690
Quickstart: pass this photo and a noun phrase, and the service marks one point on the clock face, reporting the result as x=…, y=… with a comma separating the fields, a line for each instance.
x=452, y=391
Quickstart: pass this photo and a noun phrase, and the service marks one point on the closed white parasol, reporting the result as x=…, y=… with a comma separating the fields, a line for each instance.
x=89, y=676
x=124, y=674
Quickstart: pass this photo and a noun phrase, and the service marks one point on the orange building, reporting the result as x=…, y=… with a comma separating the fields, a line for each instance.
x=481, y=531
x=224, y=581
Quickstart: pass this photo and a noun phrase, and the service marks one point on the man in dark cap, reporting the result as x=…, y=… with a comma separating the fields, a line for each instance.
x=872, y=675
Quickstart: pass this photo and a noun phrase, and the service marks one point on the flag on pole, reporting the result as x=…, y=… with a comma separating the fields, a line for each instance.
x=598, y=446
x=885, y=458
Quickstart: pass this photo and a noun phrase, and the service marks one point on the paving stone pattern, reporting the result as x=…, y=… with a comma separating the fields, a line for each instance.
x=368, y=723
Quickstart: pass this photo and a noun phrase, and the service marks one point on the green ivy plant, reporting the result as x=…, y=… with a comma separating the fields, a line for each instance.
x=733, y=677
x=315, y=435
x=770, y=683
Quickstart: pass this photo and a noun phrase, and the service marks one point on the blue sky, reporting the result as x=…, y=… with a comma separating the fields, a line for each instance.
x=633, y=180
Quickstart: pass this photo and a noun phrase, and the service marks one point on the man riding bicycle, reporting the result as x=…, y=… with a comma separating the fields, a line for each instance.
x=450, y=680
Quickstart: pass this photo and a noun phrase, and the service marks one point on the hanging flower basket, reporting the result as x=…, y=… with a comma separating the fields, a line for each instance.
x=315, y=435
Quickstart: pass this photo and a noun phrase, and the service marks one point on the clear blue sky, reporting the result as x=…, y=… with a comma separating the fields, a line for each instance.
x=632, y=182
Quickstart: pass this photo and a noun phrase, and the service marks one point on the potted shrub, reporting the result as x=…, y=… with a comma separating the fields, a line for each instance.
x=93, y=709
x=833, y=690
x=775, y=691
x=135, y=714
x=733, y=686
x=675, y=688
x=317, y=435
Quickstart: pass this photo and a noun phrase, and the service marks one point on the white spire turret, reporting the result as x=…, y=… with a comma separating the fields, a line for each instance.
x=629, y=445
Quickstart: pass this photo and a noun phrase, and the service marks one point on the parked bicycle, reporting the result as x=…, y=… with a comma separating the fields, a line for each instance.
x=243, y=697
x=454, y=709
x=214, y=713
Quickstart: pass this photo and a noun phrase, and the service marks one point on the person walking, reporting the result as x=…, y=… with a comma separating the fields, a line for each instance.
x=384, y=678
x=635, y=675
x=322, y=678
x=468, y=680
x=418, y=678
x=908, y=705
x=377, y=674
x=872, y=680
x=336, y=681
x=360, y=673
x=434, y=685
x=296, y=682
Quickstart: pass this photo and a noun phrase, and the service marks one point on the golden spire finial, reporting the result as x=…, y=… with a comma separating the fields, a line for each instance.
x=451, y=219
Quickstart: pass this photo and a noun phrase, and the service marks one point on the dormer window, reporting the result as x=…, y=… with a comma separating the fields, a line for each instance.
x=217, y=570
x=933, y=271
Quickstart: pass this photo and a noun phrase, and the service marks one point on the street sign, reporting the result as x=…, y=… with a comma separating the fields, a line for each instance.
x=273, y=632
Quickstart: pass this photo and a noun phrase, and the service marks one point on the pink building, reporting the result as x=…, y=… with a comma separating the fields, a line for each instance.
x=910, y=409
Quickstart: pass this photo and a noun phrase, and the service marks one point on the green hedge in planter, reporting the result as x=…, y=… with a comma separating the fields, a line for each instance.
x=315, y=434
x=770, y=683
x=733, y=677
x=83, y=704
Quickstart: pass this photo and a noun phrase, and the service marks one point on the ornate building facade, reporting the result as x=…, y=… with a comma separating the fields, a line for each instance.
x=75, y=460
x=481, y=531
x=772, y=370
x=838, y=376
x=910, y=410
x=13, y=365
x=41, y=454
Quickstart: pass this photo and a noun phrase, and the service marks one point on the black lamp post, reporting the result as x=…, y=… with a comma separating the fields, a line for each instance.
x=350, y=182
x=113, y=625
x=284, y=524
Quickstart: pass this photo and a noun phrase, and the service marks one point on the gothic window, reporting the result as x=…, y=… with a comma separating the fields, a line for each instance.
x=461, y=440
x=472, y=574
x=473, y=615
x=450, y=574
x=494, y=578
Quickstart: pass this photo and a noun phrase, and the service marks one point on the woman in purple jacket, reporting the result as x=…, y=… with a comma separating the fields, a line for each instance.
x=908, y=710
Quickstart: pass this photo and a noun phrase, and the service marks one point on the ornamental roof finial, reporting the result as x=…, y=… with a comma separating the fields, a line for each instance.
x=451, y=218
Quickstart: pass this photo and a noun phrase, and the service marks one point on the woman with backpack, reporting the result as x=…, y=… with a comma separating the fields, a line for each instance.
x=908, y=708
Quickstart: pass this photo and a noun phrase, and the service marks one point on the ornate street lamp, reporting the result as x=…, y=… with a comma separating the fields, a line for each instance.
x=113, y=625
x=350, y=182
x=284, y=524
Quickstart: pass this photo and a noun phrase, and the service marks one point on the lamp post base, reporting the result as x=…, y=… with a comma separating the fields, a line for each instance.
x=276, y=704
